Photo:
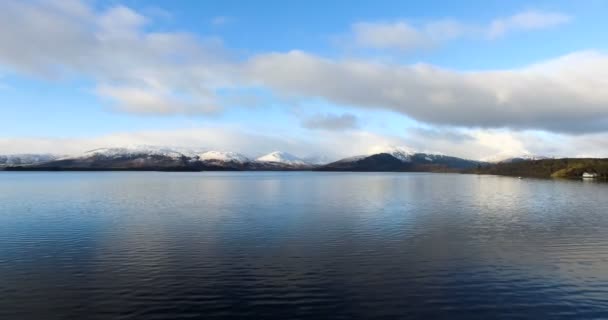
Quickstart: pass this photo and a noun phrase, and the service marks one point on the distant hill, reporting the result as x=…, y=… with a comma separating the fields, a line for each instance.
x=147, y=158
x=415, y=162
x=547, y=168
x=25, y=159
x=501, y=158
x=397, y=159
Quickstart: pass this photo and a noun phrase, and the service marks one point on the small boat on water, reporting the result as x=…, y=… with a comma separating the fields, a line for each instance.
x=589, y=175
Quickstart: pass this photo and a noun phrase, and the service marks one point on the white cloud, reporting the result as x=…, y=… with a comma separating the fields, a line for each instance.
x=466, y=143
x=528, y=20
x=120, y=20
x=57, y=39
x=147, y=72
x=404, y=35
x=332, y=144
x=399, y=35
x=153, y=101
x=326, y=121
x=561, y=95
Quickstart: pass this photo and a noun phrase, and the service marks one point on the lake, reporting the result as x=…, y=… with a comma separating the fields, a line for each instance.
x=300, y=245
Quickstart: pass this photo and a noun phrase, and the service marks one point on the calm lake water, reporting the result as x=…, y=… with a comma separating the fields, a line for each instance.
x=148, y=245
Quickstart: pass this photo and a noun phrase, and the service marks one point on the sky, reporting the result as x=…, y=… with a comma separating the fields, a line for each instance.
x=474, y=79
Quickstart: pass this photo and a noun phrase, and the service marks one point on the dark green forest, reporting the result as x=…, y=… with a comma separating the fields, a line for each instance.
x=547, y=168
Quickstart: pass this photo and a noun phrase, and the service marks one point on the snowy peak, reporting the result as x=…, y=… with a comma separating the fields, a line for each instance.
x=503, y=158
x=281, y=157
x=402, y=153
x=25, y=159
x=431, y=157
x=224, y=156
x=132, y=152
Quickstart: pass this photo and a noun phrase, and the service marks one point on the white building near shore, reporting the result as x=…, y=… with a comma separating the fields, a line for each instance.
x=589, y=175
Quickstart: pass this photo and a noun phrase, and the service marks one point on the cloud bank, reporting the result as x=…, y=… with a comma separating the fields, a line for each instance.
x=344, y=121
x=140, y=70
x=561, y=95
x=475, y=144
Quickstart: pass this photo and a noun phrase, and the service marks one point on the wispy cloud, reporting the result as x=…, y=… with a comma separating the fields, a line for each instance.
x=222, y=20
x=328, y=121
x=146, y=72
x=155, y=101
x=466, y=143
x=528, y=20
x=404, y=35
x=333, y=144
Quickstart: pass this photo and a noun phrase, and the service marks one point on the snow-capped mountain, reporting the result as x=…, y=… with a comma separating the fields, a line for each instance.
x=400, y=159
x=431, y=156
x=164, y=158
x=125, y=158
x=224, y=156
x=402, y=153
x=508, y=158
x=25, y=159
x=386, y=158
x=282, y=157
x=135, y=151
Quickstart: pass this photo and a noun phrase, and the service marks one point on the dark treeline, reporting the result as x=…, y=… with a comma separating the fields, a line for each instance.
x=547, y=168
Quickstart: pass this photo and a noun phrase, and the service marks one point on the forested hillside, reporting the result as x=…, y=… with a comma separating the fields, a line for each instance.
x=546, y=168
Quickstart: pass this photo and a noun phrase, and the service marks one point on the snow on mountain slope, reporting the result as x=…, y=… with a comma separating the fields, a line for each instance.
x=25, y=159
x=352, y=159
x=317, y=159
x=281, y=157
x=133, y=152
x=431, y=156
x=402, y=153
x=224, y=156
x=506, y=158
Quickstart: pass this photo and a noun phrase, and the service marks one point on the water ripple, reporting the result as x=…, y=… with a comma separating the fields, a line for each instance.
x=300, y=246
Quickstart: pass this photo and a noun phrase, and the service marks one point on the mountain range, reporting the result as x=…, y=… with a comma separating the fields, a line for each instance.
x=25, y=159
x=172, y=159
x=397, y=159
x=502, y=158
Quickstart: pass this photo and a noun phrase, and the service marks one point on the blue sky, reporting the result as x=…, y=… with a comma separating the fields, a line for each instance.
x=477, y=79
